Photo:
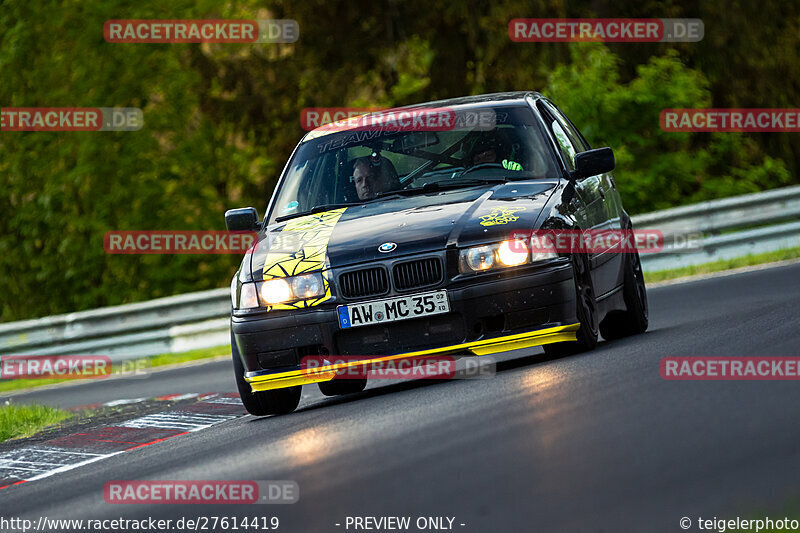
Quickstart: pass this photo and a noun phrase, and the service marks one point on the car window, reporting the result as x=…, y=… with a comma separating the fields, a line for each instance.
x=329, y=169
x=572, y=132
x=564, y=143
x=568, y=138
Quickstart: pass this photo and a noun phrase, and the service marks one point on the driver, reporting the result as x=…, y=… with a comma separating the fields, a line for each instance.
x=371, y=179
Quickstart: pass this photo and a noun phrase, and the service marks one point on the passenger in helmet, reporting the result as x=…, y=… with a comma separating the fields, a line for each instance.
x=492, y=147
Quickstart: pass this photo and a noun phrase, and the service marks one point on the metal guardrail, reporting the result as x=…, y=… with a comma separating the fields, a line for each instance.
x=765, y=207
x=165, y=325
x=776, y=208
x=200, y=319
x=729, y=246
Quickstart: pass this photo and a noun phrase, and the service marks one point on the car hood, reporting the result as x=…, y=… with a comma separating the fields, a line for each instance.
x=407, y=225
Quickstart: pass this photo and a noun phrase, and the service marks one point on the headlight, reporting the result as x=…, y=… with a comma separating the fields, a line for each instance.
x=479, y=258
x=277, y=291
x=503, y=254
x=512, y=253
x=308, y=286
x=292, y=289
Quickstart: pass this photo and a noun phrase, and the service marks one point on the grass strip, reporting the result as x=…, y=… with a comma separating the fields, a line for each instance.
x=722, y=265
x=17, y=421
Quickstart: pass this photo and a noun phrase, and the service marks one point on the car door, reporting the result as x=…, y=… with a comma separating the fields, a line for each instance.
x=597, y=193
x=612, y=202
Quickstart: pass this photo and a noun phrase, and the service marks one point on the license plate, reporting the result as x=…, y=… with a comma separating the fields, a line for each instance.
x=393, y=309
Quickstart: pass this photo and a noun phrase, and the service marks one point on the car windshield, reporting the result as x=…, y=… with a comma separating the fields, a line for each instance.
x=343, y=167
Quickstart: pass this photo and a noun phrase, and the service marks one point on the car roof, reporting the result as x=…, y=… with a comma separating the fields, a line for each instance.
x=508, y=97
x=464, y=102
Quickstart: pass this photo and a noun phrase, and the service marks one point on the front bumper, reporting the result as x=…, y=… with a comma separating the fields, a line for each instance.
x=487, y=315
x=302, y=376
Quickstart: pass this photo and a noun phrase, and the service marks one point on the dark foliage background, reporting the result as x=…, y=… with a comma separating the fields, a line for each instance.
x=220, y=120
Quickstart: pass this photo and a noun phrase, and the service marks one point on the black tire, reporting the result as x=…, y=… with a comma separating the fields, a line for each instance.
x=337, y=387
x=273, y=402
x=586, y=312
x=634, y=319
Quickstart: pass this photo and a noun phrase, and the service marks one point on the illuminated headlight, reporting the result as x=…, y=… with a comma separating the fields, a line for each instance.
x=503, y=254
x=276, y=291
x=283, y=290
x=512, y=253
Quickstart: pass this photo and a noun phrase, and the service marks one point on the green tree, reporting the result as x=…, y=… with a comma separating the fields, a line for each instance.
x=657, y=169
x=221, y=120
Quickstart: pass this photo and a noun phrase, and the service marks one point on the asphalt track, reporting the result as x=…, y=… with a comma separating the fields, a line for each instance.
x=595, y=442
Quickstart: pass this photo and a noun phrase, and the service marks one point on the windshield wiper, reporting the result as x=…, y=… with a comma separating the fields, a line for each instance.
x=315, y=209
x=440, y=186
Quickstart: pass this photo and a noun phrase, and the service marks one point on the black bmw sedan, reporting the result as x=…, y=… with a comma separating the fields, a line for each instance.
x=396, y=235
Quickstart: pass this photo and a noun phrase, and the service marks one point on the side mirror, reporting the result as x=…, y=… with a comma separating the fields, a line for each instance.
x=594, y=162
x=243, y=219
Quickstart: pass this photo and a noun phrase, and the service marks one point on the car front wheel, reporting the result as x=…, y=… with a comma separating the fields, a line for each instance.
x=272, y=402
x=586, y=312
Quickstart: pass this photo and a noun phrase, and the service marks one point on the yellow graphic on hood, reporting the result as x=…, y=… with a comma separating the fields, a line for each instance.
x=301, y=247
x=500, y=215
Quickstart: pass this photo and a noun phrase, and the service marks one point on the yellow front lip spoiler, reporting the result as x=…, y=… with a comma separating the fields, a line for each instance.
x=483, y=347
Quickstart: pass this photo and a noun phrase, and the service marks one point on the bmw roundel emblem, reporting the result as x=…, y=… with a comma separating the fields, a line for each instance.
x=387, y=247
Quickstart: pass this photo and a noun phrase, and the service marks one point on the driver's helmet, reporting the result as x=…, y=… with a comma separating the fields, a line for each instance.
x=489, y=147
x=495, y=147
